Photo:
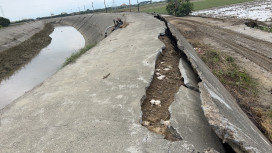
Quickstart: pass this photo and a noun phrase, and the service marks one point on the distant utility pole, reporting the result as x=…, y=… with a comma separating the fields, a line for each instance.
x=2, y=11
x=138, y=6
x=176, y=5
x=92, y=6
x=129, y=6
x=105, y=6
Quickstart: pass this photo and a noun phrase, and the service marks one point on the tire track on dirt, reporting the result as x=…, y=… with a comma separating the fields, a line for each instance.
x=255, y=50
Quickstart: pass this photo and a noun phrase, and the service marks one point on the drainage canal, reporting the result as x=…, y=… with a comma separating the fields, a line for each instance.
x=65, y=41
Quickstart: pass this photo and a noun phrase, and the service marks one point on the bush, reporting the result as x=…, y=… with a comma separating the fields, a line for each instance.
x=4, y=22
x=183, y=8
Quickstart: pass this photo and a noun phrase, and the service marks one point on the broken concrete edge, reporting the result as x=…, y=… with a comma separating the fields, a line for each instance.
x=223, y=128
x=190, y=81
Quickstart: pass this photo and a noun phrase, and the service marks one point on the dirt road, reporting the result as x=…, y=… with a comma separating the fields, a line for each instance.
x=256, y=50
x=250, y=47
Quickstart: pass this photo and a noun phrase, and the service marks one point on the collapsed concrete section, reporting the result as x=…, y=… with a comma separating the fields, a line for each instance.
x=220, y=108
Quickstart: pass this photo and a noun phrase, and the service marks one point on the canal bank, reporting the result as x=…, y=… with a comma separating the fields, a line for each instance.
x=16, y=60
x=65, y=41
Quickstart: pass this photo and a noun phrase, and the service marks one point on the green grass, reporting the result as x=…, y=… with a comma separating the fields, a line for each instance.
x=159, y=10
x=270, y=113
x=229, y=73
x=265, y=28
x=198, y=5
x=76, y=55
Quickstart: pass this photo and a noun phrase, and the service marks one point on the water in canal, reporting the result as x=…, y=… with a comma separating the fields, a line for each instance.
x=65, y=41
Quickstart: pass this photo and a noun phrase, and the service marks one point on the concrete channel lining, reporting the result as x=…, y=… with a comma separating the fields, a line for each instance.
x=220, y=108
x=16, y=34
x=91, y=26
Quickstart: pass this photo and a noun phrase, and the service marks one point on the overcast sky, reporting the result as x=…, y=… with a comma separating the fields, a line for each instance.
x=22, y=9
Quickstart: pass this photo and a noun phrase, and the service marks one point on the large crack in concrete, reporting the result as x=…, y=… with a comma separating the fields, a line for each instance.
x=165, y=88
x=160, y=94
x=231, y=130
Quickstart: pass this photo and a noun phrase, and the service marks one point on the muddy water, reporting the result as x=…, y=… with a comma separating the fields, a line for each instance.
x=65, y=41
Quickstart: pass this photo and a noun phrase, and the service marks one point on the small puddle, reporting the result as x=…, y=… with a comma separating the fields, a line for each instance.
x=65, y=41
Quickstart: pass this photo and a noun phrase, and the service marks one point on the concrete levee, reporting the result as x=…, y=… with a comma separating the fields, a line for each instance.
x=16, y=34
x=220, y=108
x=91, y=26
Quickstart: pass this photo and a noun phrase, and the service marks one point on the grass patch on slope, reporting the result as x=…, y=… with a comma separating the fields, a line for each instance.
x=76, y=55
x=229, y=73
x=265, y=28
x=239, y=83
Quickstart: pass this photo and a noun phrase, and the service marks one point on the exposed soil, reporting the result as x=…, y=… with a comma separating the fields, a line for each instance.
x=165, y=84
x=14, y=58
x=252, y=54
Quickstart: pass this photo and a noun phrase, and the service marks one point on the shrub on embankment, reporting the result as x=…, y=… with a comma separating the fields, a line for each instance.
x=4, y=22
x=179, y=7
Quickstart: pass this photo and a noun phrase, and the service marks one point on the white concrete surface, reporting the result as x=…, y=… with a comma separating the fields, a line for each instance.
x=76, y=110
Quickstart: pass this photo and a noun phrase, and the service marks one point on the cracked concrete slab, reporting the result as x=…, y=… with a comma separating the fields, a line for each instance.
x=188, y=119
x=190, y=78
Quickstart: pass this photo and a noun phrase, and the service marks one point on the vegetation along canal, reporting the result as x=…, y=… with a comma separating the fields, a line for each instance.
x=65, y=41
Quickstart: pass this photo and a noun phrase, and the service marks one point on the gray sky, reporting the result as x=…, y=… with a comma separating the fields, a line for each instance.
x=22, y=9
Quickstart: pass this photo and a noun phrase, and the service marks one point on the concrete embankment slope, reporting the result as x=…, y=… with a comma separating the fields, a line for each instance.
x=91, y=26
x=220, y=108
x=94, y=105
x=16, y=34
